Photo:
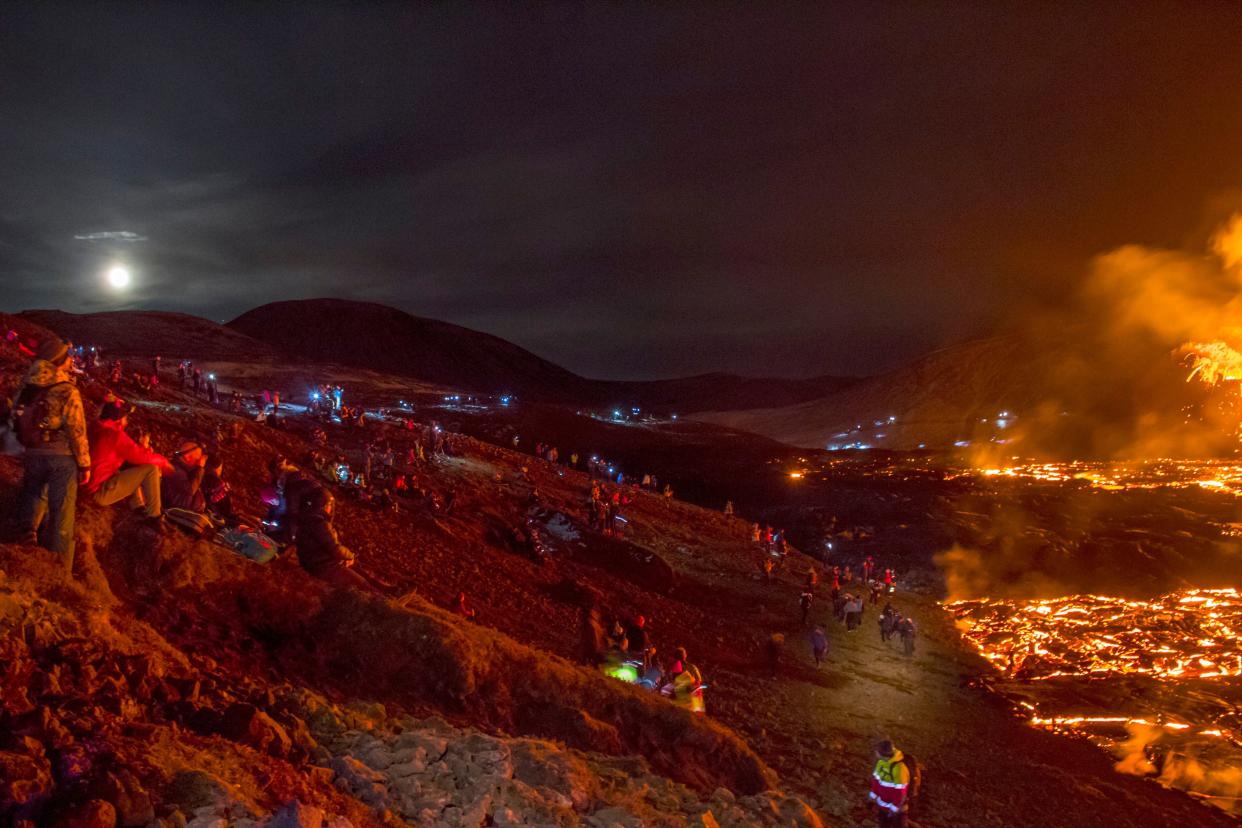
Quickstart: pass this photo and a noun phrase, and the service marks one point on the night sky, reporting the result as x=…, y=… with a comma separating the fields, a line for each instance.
x=630, y=191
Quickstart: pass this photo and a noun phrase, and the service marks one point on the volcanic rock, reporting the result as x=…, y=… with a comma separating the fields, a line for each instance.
x=296, y=815
x=25, y=781
x=93, y=813
x=249, y=725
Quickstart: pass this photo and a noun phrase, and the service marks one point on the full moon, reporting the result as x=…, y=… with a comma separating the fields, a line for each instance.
x=118, y=277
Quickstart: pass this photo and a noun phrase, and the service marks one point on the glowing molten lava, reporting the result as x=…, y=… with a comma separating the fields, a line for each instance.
x=1212, y=362
x=1190, y=634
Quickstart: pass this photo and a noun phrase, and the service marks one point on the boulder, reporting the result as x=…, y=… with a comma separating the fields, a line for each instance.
x=249, y=725
x=132, y=802
x=296, y=815
x=93, y=813
x=192, y=790
x=25, y=782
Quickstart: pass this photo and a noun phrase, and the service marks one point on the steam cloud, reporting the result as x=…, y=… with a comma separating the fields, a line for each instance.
x=1177, y=769
x=1111, y=370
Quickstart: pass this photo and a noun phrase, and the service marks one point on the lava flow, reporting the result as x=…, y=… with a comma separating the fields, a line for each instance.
x=1213, y=475
x=1192, y=634
x=1155, y=682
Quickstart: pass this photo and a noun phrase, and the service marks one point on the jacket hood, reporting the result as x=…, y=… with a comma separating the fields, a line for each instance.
x=894, y=759
x=43, y=373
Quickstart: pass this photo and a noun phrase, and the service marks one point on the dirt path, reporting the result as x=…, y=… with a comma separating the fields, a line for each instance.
x=982, y=765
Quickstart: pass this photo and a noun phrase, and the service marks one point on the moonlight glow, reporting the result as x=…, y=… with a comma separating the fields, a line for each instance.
x=118, y=277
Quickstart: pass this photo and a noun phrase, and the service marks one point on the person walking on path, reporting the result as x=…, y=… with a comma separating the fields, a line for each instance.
x=890, y=784
x=819, y=644
x=804, y=603
x=906, y=629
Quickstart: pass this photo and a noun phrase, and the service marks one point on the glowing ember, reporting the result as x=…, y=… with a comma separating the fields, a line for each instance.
x=1212, y=362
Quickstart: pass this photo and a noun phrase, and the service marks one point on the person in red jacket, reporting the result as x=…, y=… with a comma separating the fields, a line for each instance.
x=111, y=448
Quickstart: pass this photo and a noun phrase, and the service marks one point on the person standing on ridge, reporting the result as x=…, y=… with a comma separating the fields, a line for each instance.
x=51, y=423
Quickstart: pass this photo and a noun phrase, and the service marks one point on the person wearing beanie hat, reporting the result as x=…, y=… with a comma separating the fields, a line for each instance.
x=183, y=486
x=53, y=350
x=57, y=458
x=320, y=551
x=112, y=448
x=890, y=786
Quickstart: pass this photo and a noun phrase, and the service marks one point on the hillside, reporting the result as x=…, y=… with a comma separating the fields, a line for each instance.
x=384, y=338
x=152, y=333
x=378, y=337
x=935, y=401
x=172, y=679
x=1064, y=393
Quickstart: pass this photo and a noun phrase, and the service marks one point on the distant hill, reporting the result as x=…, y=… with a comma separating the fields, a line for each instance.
x=386, y=339
x=1065, y=392
x=380, y=338
x=376, y=336
x=935, y=401
x=151, y=333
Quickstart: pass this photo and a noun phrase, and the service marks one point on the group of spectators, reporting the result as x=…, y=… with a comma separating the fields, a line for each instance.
x=67, y=453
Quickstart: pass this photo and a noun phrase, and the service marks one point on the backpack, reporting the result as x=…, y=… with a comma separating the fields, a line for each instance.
x=916, y=776
x=31, y=415
x=196, y=523
x=256, y=546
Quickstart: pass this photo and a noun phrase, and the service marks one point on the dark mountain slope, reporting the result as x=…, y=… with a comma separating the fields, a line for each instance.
x=376, y=336
x=148, y=333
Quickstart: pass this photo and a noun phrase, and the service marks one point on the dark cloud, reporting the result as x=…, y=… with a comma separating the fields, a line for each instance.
x=630, y=190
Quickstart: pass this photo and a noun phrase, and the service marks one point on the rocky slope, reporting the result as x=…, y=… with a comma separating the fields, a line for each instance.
x=172, y=679
x=152, y=333
x=172, y=673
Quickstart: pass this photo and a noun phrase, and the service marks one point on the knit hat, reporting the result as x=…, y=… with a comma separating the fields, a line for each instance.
x=114, y=408
x=885, y=749
x=52, y=349
x=190, y=452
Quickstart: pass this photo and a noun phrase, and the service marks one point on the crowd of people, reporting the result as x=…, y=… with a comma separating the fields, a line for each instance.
x=67, y=451
x=625, y=651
